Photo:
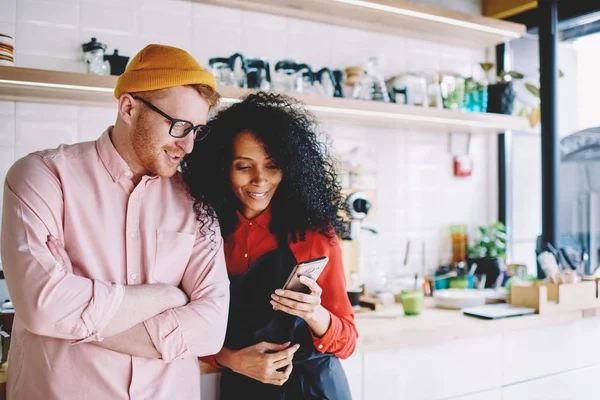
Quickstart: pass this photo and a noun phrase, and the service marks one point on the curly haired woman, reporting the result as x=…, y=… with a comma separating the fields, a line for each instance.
x=270, y=183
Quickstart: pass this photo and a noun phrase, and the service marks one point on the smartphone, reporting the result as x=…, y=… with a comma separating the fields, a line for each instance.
x=310, y=268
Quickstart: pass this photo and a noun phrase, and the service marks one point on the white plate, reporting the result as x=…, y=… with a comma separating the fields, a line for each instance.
x=459, y=298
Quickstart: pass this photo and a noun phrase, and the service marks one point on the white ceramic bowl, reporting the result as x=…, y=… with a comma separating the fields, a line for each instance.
x=459, y=298
x=7, y=40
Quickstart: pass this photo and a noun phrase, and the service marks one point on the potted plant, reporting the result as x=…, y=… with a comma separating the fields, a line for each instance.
x=488, y=252
x=501, y=94
x=532, y=111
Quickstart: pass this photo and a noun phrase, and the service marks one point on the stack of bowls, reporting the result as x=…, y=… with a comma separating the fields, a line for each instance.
x=7, y=50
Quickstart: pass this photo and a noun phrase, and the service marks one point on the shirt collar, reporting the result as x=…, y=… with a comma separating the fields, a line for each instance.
x=263, y=220
x=112, y=160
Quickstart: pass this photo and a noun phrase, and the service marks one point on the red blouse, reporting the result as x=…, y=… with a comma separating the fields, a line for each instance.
x=252, y=239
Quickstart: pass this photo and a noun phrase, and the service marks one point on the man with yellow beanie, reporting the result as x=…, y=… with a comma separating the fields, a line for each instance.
x=117, y=287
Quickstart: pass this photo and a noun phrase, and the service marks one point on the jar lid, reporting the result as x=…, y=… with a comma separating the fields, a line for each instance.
x=218, y=60
x=115, y=56
x=286, y=66
x=93, y=45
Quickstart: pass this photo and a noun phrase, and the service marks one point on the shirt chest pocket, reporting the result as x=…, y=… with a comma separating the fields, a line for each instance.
x=173, y=252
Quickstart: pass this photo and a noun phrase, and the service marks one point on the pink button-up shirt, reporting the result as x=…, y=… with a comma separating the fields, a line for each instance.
x=116, y=234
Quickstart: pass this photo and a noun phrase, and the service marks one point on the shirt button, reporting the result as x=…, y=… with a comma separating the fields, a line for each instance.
x=133, y=276
x=320, y=346
x=250, y=223
x=246, y=255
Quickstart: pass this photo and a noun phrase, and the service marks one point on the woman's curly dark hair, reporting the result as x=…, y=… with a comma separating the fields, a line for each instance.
x=309, y=195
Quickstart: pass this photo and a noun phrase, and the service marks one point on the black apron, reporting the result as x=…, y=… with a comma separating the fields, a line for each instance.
x=252, y=320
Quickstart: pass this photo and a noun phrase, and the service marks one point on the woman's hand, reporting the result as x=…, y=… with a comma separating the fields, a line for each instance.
x=306, y=306
x=261, y=361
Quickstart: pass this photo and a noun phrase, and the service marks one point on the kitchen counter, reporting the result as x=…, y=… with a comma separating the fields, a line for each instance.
x=444, y=354
x=391, y=329
x=436, y=325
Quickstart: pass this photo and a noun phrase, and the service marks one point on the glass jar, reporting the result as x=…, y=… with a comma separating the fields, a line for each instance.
x=94, y=57
x=222, y=71
x=373, y=86
x=453, y=91
x=459, y=243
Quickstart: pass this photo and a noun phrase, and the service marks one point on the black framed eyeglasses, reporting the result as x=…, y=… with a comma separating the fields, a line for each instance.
x=180, y=128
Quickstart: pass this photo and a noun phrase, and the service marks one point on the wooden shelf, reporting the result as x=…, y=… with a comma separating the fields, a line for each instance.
x=395, y=17
x=399, y=116
x=34, y=85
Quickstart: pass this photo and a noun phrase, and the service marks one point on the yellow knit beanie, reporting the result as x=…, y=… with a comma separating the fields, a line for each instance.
x=159, y=67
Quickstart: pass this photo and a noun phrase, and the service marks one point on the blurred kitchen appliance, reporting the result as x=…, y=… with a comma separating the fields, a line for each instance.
x=117, y=62
x=409, y=88
x=229, y=71
x=285, y=77
x=358, y=206
x=258, y=74
x=325, y=82
x=372, y=85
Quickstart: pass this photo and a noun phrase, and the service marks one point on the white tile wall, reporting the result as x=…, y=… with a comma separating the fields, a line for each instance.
x=7, y=157
x=39, y=126
x=109, y=18
x=7, y=123
x=410, y=171
x=7, y=139
x=8, y=17
x=9, y=11
x=48, y=13
x=318, y=51
x=175, y=30
x=92, y=121
x=264, y=36
x=126, y=4
x=216, y=32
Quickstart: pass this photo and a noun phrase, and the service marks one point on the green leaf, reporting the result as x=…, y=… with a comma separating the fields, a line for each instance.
x=534, y=90
x=500, y=235
x=522, y=112
x=516, y=75
x=486, y=67
x=499, y=226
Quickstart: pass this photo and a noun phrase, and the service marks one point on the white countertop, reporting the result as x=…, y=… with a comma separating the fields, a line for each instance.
x=391, y=329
